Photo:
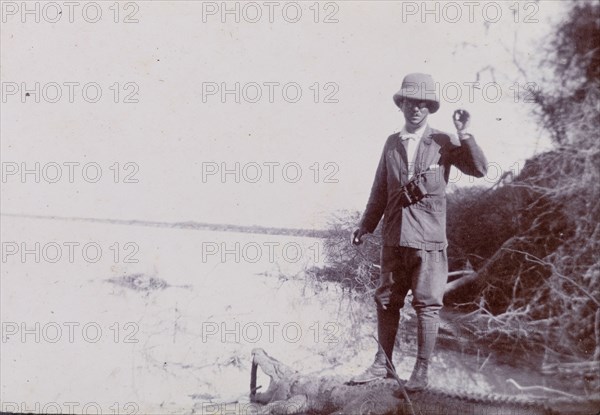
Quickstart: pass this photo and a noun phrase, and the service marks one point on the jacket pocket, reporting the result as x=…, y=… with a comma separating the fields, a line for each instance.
x=434, y=205
x=434, y=182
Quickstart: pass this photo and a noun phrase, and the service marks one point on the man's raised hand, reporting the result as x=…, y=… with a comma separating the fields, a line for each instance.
x=462, y=120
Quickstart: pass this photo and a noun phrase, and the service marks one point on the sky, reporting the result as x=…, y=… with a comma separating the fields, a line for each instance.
x=276, y=119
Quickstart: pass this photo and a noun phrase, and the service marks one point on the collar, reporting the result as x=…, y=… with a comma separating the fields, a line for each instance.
x=417, y=135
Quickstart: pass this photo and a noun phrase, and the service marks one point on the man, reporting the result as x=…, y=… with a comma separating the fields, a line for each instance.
x=409, y=191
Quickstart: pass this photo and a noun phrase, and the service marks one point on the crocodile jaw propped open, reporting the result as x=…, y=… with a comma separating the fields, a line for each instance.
x=276, y=371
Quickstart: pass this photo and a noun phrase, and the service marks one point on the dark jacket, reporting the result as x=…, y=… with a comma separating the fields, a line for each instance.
x=421, y=225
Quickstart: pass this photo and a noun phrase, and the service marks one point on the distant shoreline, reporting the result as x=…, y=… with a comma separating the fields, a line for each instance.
x=223, y=227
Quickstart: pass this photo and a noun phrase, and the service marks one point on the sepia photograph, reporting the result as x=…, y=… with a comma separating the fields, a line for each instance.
x=312, y=207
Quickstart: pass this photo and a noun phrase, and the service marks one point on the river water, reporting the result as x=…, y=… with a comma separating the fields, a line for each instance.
x=135, y=319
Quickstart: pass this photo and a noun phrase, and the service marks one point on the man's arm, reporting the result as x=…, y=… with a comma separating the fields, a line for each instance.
x=378, y=198
x=467, y=156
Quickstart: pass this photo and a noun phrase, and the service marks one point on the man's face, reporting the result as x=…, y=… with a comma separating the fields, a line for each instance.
x=415, y=112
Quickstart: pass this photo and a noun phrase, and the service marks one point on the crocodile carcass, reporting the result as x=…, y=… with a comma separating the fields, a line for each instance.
x=290, y=392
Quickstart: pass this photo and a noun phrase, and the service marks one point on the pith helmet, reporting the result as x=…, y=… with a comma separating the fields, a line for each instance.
x=419, y=86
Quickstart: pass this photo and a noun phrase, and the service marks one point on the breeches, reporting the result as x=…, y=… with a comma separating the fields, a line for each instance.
x=423, y=272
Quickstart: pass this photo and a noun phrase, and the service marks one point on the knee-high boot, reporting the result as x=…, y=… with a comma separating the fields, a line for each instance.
x=387, y=327
x=427, y=330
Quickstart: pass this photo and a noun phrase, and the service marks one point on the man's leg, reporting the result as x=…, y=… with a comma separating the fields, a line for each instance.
x=429, y=282
x=389, y=297
x=387, y=328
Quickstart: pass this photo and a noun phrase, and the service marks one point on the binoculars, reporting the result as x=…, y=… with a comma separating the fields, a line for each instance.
x=412, y=192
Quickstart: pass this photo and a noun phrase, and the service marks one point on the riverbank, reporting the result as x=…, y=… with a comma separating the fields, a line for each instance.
x=163, y=321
